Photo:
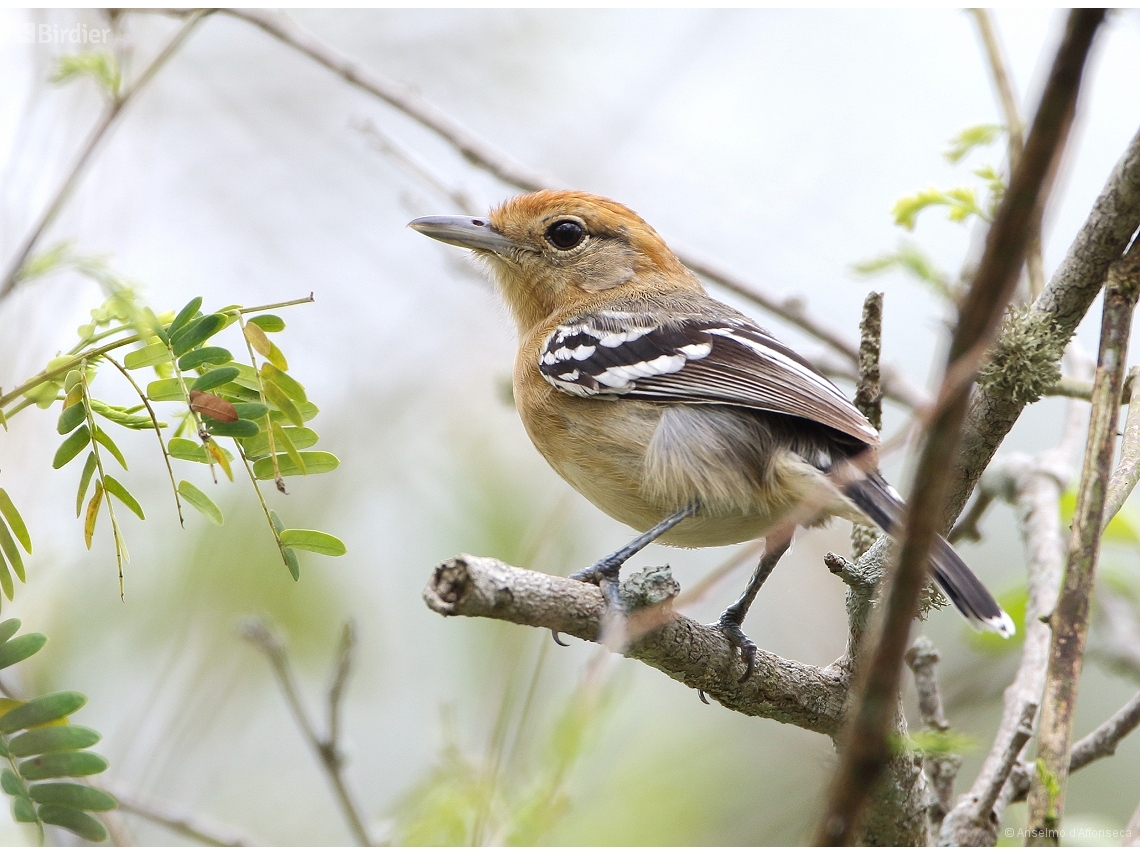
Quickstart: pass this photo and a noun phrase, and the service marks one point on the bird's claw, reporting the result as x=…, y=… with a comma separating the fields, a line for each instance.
x=557, y=640
x=729, y=625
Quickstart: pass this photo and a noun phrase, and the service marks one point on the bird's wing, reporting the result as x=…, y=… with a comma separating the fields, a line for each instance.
x=693, y=359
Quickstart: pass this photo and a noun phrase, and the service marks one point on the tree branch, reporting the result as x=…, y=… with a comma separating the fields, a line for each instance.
x=694, y=654
x=1069, y=621
x=866, y=745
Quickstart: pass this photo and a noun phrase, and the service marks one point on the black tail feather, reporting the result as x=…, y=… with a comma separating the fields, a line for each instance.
x=875, y=497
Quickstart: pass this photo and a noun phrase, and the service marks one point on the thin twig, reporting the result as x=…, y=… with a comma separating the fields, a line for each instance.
x=1003, y=83
x=257, y=633
x=1069, y=620
x=942, y=768
x=867, y=749
x=114, y=109
x=180, y=820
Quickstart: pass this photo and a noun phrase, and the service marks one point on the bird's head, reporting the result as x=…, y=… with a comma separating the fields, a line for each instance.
x=554, y=250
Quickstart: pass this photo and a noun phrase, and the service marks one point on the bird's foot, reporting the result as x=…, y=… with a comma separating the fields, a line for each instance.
x=729, y=624
x=606, y=575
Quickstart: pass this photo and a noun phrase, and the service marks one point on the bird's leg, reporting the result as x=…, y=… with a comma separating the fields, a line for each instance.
x=776, y=545
x=604, y=573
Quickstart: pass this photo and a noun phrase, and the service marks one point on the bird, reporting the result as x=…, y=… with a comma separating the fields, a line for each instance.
x=671, y=411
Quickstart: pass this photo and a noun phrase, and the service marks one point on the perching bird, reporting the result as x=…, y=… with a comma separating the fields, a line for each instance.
x=669, y=410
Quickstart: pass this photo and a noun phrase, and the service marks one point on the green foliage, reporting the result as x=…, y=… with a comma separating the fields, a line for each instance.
x=258, y=405
x=912, y=259
x=971, y=138
x=934, y=743
x=100, y=66
x=13, y=536
x=961, y=203
x=39, y=744
x=1123, y=528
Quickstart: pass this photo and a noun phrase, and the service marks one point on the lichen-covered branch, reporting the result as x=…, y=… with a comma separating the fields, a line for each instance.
x=1070, y=618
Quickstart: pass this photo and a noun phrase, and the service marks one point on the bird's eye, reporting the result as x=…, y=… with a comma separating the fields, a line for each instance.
x=566, y=234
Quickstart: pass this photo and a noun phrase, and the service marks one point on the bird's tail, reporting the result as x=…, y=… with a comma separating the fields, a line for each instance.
x=878, y=500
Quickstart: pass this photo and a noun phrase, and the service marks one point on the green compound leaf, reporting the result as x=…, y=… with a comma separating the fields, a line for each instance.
x=84, y=482
x=65, y=764
x=204, y=356
x=71, y=447
x=8, y=547
x=92, y=516
x=214, y=378
x=242, y=428
x=15, y=521
x=196, y=332
x=282, y=439
x=275, y=521
x=49, y=740
x=20, y=648
x=184, y=316
x=109, y=444
x=41, y=710
x=71, y=418
x=312, y=541
x=123, y=495
x=169, y=389
x=316, y=463
x=152, y=354
x=78, y=796
x=269, y=323
x=200, y=502
x=76, y=821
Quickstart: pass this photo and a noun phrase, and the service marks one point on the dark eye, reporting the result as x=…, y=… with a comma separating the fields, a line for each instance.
x=566, y=234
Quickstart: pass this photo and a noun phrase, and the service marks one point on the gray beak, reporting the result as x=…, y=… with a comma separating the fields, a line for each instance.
x=468, y=232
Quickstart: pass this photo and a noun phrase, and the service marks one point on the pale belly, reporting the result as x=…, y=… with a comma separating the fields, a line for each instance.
x=744, y=487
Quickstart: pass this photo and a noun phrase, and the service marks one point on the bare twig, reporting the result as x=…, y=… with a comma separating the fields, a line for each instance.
x=1102, y=742
x=869, y=394
x=114, y=109
x=257, y=633
x=866, y=746
x=180, y=820
x=1003, y=83
x=942, y=769
x=1069, y=620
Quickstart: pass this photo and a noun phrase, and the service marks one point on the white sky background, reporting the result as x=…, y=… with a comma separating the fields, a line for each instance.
x=773, y=141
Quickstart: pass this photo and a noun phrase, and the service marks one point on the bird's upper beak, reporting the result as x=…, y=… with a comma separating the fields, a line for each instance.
x=468, y=232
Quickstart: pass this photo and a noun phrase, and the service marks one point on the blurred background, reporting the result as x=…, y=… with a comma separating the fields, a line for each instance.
x=775, y=142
